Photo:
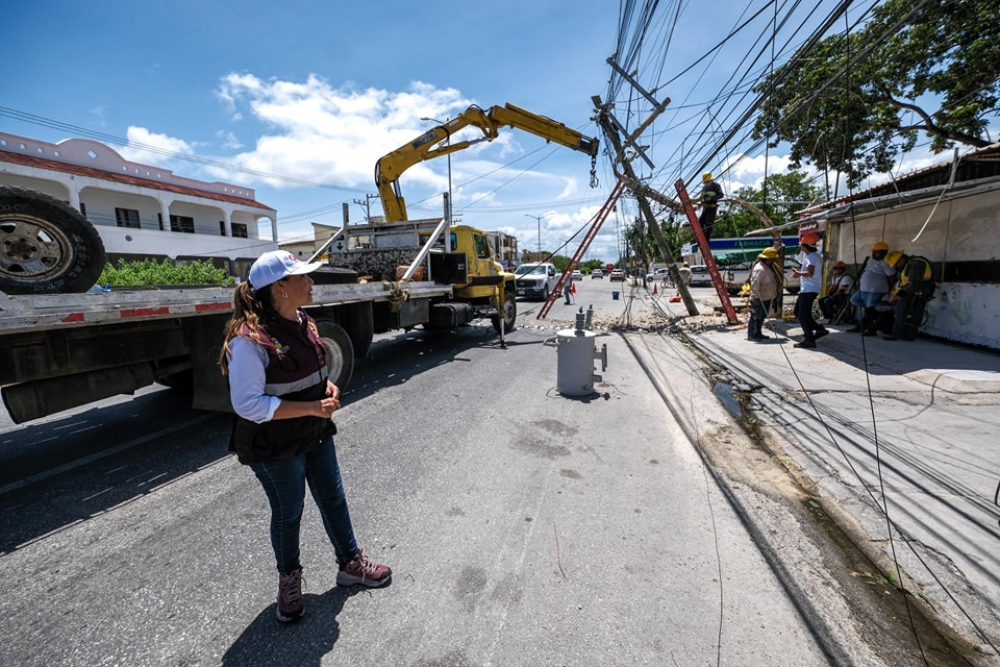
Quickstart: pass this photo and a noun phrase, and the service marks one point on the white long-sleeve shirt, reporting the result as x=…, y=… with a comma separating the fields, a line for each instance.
x=247, y=363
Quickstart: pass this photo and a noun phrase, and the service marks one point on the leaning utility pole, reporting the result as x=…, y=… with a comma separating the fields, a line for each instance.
x=608, y=124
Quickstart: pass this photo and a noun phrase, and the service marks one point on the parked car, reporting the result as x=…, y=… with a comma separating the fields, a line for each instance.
x=536, y=280
x=700, y=277
x=617, y=274
x=577, y=275
x=659, y=274
x=735, y=276
x=598, y=273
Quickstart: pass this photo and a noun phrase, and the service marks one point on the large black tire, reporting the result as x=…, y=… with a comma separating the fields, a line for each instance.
x=508, y=312
x=339, y=352
x=46, y=246
x=359, y=322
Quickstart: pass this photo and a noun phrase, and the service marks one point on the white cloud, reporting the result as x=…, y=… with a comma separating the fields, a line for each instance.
x=229, y=140
x=154, y=149
x=324, y=134
x=100, y=112
x=742, y=171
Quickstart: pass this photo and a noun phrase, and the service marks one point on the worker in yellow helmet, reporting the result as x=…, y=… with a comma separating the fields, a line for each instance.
x=711, y=194
x=913, y=290
x=764, y=288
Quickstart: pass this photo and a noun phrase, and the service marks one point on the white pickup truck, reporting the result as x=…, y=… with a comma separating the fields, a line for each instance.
x=536, y=280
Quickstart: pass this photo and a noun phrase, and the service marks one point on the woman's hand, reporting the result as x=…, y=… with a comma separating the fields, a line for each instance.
x=327, y=406
x=332, y=390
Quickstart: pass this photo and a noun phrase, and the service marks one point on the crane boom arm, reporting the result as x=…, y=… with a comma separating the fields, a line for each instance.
x=427, y=146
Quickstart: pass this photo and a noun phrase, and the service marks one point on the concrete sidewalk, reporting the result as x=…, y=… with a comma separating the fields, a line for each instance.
x=900, y=433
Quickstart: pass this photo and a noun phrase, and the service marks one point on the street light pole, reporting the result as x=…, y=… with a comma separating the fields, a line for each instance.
x=538, y=218
x=447, y=143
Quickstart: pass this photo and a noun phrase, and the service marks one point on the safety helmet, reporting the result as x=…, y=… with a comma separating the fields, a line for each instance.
x=706, y=177
x=809, y=239
x=881, y=245
x=768, y=253
x=839, y=265
x=893, y=257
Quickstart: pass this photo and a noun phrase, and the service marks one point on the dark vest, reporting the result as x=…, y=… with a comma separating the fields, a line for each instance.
x=296, y=371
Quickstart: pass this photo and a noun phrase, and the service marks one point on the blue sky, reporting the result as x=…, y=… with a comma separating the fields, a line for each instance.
x=317, y=92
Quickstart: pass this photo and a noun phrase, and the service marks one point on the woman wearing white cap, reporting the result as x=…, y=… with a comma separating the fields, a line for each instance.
x=278, y=383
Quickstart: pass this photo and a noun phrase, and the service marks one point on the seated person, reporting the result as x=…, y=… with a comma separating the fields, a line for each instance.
x=876, y=279
x=837, y=292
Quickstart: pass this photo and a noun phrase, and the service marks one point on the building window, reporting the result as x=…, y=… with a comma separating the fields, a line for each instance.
x=182, y=223
x=127, y=217
x=83, y=209
x=222, y=227
x=159, y=220
x=239, y=230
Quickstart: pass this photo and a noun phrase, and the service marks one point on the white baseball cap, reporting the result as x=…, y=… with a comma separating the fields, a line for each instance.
x=277, y=264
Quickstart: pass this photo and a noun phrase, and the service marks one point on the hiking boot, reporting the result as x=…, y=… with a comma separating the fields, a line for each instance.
x=806, y=343
x=362, y=570
x=290, y=606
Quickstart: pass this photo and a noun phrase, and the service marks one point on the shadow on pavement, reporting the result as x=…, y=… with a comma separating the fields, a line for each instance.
x=266, y=642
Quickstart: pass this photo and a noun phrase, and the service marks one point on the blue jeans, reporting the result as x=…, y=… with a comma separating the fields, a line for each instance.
x=284, y=483
x=758, y=315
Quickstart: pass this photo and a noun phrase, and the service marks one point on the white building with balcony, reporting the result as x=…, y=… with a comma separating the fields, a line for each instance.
x=142, y=211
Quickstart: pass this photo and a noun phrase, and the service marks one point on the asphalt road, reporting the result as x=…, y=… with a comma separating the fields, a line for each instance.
x=523, y=527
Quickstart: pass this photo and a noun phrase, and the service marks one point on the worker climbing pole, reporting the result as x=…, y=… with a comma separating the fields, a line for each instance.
x=706, y=252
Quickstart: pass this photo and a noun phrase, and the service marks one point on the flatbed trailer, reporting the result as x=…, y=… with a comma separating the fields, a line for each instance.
x=61, y=351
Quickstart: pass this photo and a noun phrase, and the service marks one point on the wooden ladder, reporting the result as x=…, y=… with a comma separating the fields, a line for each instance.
x=599, y=219
x=706, y=252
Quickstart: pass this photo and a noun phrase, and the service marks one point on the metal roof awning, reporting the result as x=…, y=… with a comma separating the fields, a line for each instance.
x=884, y=203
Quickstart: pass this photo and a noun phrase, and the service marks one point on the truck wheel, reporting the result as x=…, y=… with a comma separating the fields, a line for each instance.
x=508, y=312
x=339, y=352
x=45, y=245
x=359, y=322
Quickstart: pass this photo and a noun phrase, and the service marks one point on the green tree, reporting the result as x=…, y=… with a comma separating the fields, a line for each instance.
x=643, y=243
x=854, y=104
x=561, y=262
x=779, y=197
